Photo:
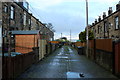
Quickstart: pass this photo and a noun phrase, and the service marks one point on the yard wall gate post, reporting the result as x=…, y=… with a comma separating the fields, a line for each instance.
x=117, y=58
x=95, y=50
x=113, y=54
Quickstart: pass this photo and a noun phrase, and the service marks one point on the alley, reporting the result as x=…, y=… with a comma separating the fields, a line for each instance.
x=66, y=63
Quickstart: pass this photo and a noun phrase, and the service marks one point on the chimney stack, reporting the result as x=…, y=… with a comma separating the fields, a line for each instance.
x=118, y=6
x=99, y=19
x=104, y=15
x=92, y=24
x=95, y=21
x=110, y=11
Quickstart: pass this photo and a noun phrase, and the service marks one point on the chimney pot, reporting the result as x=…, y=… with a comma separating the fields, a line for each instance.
x=92, y=24
x=118, y=6
x=95, y=21
x=99, y=19
x=104, y=15
x=110, y=11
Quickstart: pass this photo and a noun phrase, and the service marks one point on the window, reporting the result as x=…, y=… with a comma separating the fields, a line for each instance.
x=116, y=23
x=12, y=12
x=24, y=18
x=29, y=28
x=5, y=9
x=32, y=23
x=11, y=28
x=29, y=21
x=99, y=28
x=16, y=28
x=21, y=18
x=105, y=27
x=95, y=30
x=37, y=27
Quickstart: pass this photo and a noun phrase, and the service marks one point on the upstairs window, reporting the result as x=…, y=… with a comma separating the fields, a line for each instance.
x=99, y=29
x=24, y=18
x=29, y=28
x=37, y=27
x=12, y=12
x=116, y=23
x=21, y=18
x=105, y=27
x=5, y=9
x=95, y=30
x=29, y=21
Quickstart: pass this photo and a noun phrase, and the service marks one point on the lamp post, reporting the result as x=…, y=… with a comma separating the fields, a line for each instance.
x=70, y=35
x=87, y=27
x=61, y=35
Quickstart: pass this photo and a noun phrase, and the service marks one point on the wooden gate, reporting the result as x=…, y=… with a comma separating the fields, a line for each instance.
x=117, y=58
x=25, y=43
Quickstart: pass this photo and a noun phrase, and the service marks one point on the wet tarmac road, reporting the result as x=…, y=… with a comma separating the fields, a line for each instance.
x=66, y=63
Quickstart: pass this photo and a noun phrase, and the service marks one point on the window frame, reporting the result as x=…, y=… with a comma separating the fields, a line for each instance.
x=5, y=8
x=24, y=18
x=105, y=27
x=29, y=21
x=21, y=18
x=12, y=12
x=116, y=23
x=99, y=29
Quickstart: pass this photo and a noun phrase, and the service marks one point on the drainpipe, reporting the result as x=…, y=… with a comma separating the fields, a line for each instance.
x=87, y=27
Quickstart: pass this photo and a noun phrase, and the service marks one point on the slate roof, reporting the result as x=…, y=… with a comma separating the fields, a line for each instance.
x=25, y=32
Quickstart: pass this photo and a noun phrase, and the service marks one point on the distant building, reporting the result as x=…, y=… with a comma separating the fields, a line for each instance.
x=107, y=26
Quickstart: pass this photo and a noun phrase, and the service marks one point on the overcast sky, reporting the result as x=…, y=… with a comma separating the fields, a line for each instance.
x=66, y=15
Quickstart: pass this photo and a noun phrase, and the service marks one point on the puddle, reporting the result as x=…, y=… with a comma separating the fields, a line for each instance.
x=73, y=75
x=66, y=54
x=60, y=53
x=54, y=63
x=56, y=60
x=74, y=60
x=65, y=57
x=70, y=50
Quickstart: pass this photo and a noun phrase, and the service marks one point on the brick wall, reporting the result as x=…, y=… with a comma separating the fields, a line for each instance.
x=101, y=52
x=117, y=58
